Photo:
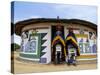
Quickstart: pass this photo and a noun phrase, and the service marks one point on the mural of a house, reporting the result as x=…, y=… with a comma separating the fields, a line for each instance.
x=39, y=39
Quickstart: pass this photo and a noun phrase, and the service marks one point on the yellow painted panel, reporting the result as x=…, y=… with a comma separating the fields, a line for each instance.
x=87, y=56
x=81, y=35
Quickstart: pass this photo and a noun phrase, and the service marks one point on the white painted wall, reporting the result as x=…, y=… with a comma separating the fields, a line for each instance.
x=47, y=43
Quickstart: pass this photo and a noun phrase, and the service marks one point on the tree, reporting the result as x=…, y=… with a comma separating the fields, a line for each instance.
x=14, y=47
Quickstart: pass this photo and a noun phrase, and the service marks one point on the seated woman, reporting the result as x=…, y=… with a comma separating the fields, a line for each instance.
x=72, y=48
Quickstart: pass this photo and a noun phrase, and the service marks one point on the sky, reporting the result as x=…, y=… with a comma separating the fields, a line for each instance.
x=27, y=10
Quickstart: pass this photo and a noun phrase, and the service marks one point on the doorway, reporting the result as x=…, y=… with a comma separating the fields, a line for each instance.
x=57, y=53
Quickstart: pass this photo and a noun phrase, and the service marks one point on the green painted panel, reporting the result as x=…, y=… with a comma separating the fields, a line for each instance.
x=38, y=52
x=29, y=56
x=42, y=42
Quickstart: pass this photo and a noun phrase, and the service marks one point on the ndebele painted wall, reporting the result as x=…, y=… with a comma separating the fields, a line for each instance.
x=37, y=38
x=36, y=46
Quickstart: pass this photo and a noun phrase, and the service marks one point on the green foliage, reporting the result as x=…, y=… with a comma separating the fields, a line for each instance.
x=14, y=47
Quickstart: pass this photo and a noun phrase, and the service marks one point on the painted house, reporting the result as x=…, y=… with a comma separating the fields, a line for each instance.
x=38, y=36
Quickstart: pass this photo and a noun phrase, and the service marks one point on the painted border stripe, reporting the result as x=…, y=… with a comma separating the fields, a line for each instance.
x=87, y=59
x=29, y=59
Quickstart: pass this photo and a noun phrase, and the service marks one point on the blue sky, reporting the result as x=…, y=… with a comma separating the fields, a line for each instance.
x=27, y=10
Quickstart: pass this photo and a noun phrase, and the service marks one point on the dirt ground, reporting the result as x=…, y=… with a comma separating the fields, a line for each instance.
x=21, y=66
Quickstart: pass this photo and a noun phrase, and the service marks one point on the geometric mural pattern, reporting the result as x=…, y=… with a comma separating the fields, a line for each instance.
x=42, y=42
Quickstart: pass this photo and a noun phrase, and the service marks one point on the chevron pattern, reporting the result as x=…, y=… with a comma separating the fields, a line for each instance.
x=42, y=44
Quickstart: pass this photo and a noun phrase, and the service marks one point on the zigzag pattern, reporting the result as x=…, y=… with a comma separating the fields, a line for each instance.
x=42, y=42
